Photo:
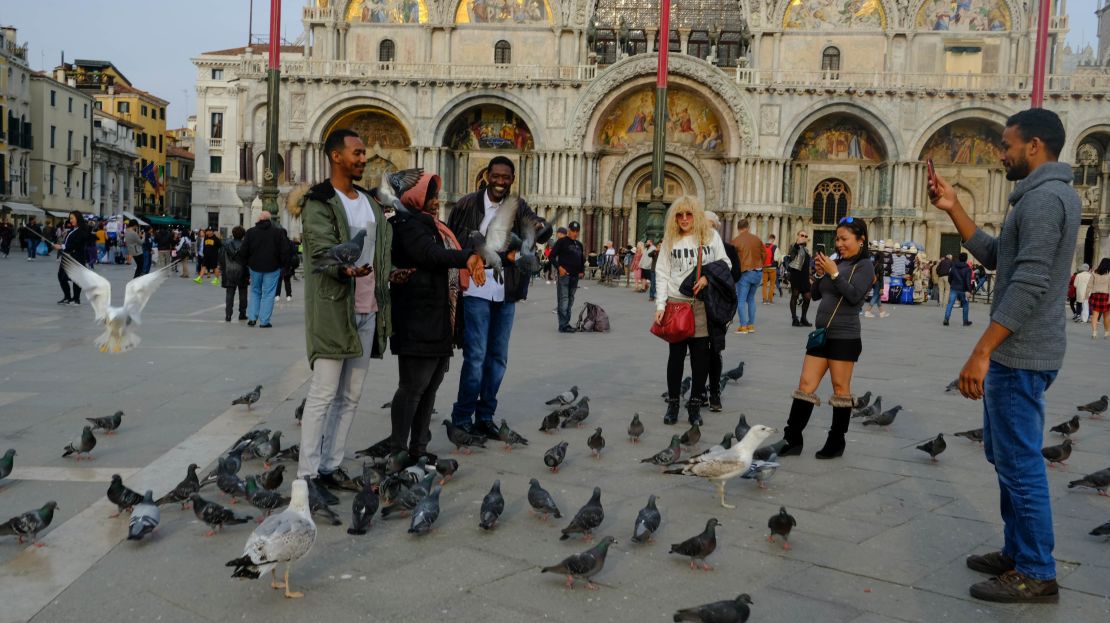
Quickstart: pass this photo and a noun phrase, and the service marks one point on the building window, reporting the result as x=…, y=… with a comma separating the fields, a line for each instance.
x=69, y=180
x=698, y=44
x=386, y=51
x=70, y=105
x=637, y=42
x=53, y=131
x=51, y=179
x=215, y=164
x=217, y=74
x=605, y=46
x=159, y=143
x=830, y=202
x=217, y=127
x=85, y=110
x=99, y=105
x=502, y=53
x=830, y=59
x=162, y=113
x=213, y=220
x=84, y=146
x=53, y=97
x=69, y=143
x=84, y=180
x=729, y=49
x=143, y=110
x=123, y=107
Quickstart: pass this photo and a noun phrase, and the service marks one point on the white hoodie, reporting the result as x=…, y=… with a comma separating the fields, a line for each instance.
x=672, y=268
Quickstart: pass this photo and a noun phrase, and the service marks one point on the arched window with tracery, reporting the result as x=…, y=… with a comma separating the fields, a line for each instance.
x=386, y=51
x=831, y=199
x=502, y=53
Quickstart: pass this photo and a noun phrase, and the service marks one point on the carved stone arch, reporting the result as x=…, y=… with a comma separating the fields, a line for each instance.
x=679, y=154
x=1017, y=14
x=892, y=143
x=340, y=103
x=460, y=103
x=1076, y=139
x=893, y=14
x=956, y=112
x=583, y=117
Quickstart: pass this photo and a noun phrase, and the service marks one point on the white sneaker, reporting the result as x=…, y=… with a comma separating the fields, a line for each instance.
x=288, y=298
x=868, y=315
x=277, y=298
x=883, y=314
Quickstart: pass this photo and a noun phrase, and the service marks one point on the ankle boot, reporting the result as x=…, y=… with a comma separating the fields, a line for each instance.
x=693, y=410
x=800, y=411
x=842, y=413
x=672, y=411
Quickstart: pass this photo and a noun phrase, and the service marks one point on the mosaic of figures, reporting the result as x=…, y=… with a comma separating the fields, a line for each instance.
x=964, y=15
x=838, y=138
x=388, y=11
x=970, y=142
x=490, y=127
x=834, y=14
x=377, y=129
x=690, y=121
x=503, y=12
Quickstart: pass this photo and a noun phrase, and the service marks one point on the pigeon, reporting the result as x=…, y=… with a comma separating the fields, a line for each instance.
x=871, y=410
x=82, y=445
x=29, y=524
x=668, y=455
x=781, y=524
x=407, y=499
x=272, y=479
x=550, y=422
x=577, y=415
x=447, y=469
x=363, y=507
x=268, y=448
x=596, y=442
x=727, y=611
x=510, y=437
x=489, y=256
x=7, y=463
x=395, y=185
x=184, y=489
x=762, y=471
x=396, y=462
x=541, y=502
x=700, y=546
x=462, y=439
x=735, y=373
x=249, y=398
x=975, y=434
x=587, y=518
x=564, y=398
x=742, y=427
x=553, y=458
x=233, y=462
x=1099, y=481
x=284, y=537
x=125, y=499
x=1068, y=427
x=767, y=453
x=692, y=436
x=370, y=476
x=298, y=414
x=492, y=507
x=1103, y=530
x=317, y=506
x=585, y=565
x=1096, y=408
x=250, y=438
x=635, y=428
x=119, y=322
x=884, y=419
x=231, y=485
x=292, y=453
x=214, y=515
x=647, y=522
x=683, y=389
x=863, y=401
x=416, y=473
x=342, y=255
x=144, y=518
x=726, y=443
x=953, y=386
x=108, y=424
x=934, y=446
x=1057, y=454
x=425, y=513
x=720, y=467
x=262, y=499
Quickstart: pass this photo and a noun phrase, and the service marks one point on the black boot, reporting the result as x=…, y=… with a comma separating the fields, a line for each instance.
x=842, y=412
x=672, y=411
x=800, y=411
x=693, y=410
x=715, y=402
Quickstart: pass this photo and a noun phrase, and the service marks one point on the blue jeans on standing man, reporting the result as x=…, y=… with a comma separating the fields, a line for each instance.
x=749, y=283
x=486, y=329
x=567, y=284
x=954, y=296
x=260, y=303
x=1013, y=425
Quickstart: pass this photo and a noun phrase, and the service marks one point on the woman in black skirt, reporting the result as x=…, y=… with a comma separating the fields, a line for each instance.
x=797, y=268
x=841, y=289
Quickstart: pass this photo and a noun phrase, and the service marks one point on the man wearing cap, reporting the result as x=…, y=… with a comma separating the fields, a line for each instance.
x=569, y=258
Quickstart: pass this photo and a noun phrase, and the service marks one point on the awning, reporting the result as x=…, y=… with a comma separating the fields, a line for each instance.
x=56, y=213
x=23, y=208
x=167, y=220
x=131, y=217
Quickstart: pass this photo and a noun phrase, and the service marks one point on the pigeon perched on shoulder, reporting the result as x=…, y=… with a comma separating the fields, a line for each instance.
x=510, y=437
x=635, y=428
x=125, y=499
x=727, y=611
x=668, y=455
x=647, y=522
x=82, y=445
x=596, y=442
x=862, y=401
x=1057, y=454
x=394, y=185
x=29, y=524
x=550, y=422
x=144, y=518
x=934, y=446
x=781, y=524
x=699, y=546
x=492, y=507
x=975, y=434
x=184, y=490
x=363, y=507
x=425, y=513
x=555, y=455
x=884, y=419
x=108, y=424
x=871, y=410
x=578, y=414
x=7, y=463
x=1099, y=481
x=564, y=398
x=284, y=537
x=1096, y=408
x=587, y=518
x=214, y=515
x=1068, y=427
x=249, y=398
x=463, y=440
x=119, y=322
x=541, y=501
x=585, y=565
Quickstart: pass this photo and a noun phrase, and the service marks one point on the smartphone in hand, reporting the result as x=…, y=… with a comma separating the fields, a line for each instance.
x=820, y=249
x=932, y=181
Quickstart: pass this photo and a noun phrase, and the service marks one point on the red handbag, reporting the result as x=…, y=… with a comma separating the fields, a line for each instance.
x=678, y=318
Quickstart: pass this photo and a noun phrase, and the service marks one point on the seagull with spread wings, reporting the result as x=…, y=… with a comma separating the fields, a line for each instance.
x=119, y=334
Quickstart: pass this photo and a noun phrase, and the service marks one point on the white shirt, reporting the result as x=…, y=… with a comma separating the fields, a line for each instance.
x=671, y=269
x=359, y=215
x=491, y=291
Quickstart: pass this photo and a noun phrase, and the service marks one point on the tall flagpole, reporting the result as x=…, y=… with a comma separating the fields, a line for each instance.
x=273, y=83
x=656, y=209
x=1040, y=56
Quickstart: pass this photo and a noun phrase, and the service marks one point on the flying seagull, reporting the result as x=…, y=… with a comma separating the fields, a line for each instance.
x=119, y=335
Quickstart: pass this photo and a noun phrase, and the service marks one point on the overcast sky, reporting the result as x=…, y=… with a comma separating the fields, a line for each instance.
x=151, y=41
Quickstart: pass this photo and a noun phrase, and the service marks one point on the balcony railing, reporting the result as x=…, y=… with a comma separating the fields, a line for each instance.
x=215, y=143
x=75, y=156
x=898, y=81
x=316, y=14
x=1058, y=23
x=311, y=68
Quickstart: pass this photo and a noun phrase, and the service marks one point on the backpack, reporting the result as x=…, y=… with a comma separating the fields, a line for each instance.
x=593, y=318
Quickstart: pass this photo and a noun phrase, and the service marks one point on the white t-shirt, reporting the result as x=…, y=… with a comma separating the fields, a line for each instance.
x=491, y=290
x=672, y=268
x=360, y=216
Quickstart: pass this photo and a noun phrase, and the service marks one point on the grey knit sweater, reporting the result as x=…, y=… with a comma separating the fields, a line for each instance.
x=1033, y=255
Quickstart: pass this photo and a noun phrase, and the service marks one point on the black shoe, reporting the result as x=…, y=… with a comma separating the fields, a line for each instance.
x=74, y=301
x=227, y=318
x=967, y=324
x=795, y=323
x=266, y=326
x=429, y=458
x=339, y=480
x=946, y=322
x=242, y=316
x=806, y=323
x=486, y=428
x=672, y=412
x=790, y=449
x=693, y=411
x=251, y=323
x=568, y=330
x=63, y=302
x=715, y=404
x=327, y=496
x=834, y=446
x=379, y=450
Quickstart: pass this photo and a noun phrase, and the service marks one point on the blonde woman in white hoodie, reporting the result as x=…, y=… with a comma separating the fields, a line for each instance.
x=685, y=230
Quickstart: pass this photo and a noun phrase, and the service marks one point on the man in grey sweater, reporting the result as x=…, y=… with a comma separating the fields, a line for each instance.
x=1020, y=353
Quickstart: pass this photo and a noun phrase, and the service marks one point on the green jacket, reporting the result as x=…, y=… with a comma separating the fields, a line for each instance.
x=329, y=315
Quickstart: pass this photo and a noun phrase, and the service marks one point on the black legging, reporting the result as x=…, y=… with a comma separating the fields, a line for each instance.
x=65, y=282
x=701, y=354
x=715, y=365
x=411, y=411
x=797, y=278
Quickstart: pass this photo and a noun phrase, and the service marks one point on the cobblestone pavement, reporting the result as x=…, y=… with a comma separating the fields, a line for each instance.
x=882, y=533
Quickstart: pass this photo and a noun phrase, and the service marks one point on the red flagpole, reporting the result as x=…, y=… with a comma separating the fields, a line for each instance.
x=664, y=43
x=1040, y=57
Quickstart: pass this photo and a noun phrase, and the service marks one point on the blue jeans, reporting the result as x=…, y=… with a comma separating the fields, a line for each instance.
x=260, y=303
x=567, y=284
x=486, y=329
x=954, y=296
x=1013, y=421
x=651, y=289
x=749, y=283
x=32, y=246
x=877, y=294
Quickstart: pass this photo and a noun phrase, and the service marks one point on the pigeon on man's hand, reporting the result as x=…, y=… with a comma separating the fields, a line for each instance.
x=343, y=255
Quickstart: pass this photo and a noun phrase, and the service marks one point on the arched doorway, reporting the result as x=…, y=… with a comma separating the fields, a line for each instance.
x=676, y=183
x=387, y=141
x=476, y=136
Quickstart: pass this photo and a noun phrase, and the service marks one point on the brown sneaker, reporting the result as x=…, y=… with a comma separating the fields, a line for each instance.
x=994, y=563
x=1014, y=588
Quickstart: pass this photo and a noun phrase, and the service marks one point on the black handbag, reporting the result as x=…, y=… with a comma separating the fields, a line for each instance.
x=819, y=336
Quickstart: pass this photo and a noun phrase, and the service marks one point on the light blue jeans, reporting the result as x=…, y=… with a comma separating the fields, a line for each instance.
x=487, y=326
x=749, y=283
x=954, y=296
x=260, y=304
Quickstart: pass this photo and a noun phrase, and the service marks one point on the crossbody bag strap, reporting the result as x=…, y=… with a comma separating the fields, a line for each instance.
x=699, y=262
x=835, y=309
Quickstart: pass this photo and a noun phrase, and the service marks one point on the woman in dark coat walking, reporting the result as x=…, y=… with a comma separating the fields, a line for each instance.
x=75, y=244
x=235, y=274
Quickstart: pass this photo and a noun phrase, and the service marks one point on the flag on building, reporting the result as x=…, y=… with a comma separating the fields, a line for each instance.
x=148, y=175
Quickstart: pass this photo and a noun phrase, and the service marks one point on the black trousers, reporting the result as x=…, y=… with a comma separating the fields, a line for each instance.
x=65, y=282
x=715, y=365
x=230, y=299
x=701, y=354
x=287, y=279
x=411, y=412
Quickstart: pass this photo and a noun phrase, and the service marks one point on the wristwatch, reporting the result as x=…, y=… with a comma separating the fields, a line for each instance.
x=834, y=275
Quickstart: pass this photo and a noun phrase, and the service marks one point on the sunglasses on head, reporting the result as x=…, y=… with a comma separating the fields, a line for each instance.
x=846, y=219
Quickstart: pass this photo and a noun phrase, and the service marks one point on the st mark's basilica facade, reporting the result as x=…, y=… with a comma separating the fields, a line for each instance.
x=791, y=113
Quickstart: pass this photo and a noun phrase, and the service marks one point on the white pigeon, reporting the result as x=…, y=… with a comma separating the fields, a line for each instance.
x=284, y=537
x=721, y=465
x=118, y=336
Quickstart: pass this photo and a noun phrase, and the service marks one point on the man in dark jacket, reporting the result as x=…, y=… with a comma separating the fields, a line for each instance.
x=263, y=252
x=959, y=279
x=233, y=273
x=488, y=309
x=569, y=258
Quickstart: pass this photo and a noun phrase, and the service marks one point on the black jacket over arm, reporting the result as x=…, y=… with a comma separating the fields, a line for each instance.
x=719, y=299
